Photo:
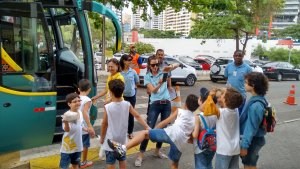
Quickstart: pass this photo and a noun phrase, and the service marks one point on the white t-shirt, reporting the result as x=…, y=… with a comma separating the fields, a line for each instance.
x=228, y=130
x=72, y=140
x=211, y=122
x=117, y=117
x=84, y=100
x=182, y=128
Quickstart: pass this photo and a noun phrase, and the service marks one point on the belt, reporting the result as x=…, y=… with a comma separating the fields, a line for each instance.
x=161, y=102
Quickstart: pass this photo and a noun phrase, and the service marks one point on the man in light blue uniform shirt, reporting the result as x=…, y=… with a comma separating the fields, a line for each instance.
x=235, y=72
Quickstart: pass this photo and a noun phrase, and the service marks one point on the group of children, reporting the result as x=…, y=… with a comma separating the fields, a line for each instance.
x=187, y=125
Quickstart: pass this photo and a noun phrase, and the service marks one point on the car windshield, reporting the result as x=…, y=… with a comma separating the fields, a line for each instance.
x=223, y=61
x=187, y=60
x=271, y=64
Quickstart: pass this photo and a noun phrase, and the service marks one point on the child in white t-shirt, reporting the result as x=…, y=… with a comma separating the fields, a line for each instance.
x=84, y=88
x=72, y=140
x=228, y=130
x=115, y=122
x=176, y=135
x=203, y=158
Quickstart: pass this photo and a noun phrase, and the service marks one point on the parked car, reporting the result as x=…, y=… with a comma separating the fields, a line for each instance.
x=189, y=61
x=218, y=68
x=205, y=61
x=98, y=66
x=186, y=74
x=98, y=57
x=118, y=56
x=281, y=70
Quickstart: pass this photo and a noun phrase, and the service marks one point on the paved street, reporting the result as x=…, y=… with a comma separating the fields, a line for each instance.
x=281, y=150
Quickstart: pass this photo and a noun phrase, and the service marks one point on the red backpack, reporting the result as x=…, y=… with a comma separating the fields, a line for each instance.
x=269, y=119
x=207, y=137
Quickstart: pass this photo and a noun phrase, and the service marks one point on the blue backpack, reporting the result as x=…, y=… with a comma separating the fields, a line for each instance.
x=207, y=137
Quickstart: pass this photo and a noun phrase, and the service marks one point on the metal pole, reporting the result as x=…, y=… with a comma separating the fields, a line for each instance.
x=290, y=54
x=103, y=58
x=122, y=25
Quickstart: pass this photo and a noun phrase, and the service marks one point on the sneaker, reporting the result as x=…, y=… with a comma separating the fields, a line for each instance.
x=138, y=162
x=120, y=150
x=160, y=155
x=86, y=164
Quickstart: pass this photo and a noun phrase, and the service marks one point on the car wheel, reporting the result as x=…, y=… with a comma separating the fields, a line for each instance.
x=190, y=80
x=298, y=77
x=279, y=77
x=214, y=80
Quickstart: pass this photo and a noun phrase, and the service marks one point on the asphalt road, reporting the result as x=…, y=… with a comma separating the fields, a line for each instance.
x=280, y=152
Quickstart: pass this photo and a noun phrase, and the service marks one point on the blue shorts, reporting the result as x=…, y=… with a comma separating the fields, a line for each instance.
x=66, y=159
x=86, y=140
x=227, y=162
x=252, y=156
x=111, y=159
x=204, y=159
x=159, y=135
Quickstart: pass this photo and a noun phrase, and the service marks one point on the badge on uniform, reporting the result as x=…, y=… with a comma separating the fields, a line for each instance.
x=234, y=73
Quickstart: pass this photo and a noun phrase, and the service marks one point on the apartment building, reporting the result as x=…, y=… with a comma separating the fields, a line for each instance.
x=136, y=21
x=289, y=16
x=180, y=21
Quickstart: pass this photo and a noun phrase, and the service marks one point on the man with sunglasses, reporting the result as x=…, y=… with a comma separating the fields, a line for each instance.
x=235, y=72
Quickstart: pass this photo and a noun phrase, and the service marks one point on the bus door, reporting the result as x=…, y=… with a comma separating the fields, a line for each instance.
x=27, y=77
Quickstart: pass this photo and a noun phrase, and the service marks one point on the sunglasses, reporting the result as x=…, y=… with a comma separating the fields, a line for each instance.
x=153, y=65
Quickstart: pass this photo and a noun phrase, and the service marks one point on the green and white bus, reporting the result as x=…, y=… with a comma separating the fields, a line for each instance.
x=46, y=49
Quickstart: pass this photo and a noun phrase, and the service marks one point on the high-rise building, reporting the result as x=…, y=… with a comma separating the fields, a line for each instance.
x=136, y=21
x=180, y=21
x=289, y=16
x=155, y=21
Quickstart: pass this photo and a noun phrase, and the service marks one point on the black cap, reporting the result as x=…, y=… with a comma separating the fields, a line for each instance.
x=204, y=92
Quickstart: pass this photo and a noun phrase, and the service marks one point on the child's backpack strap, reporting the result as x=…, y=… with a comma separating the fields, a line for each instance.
x=263, y=103
x=204, y=122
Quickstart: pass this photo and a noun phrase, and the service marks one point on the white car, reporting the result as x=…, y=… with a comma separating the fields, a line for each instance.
x=186, y=74
x=218, y=67
x=118, y=56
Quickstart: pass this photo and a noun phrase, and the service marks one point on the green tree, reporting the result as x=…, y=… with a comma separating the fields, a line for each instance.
x=154, y=33
x=141, y=48
x=281, y=54
x=259, y=51
x=238, y=19
x=291, y=31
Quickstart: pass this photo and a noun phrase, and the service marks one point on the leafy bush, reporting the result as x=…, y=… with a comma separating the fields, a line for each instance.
x=141, y=48
x=278, y=54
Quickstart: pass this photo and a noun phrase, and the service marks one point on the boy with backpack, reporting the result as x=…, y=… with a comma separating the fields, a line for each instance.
x=227, y=129
x=251, y=119
x=205, y=123
x=176, y=135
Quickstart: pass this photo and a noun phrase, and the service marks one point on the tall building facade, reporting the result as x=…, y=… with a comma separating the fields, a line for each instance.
x=136, y=21
x=180, y=21
x=289, y=16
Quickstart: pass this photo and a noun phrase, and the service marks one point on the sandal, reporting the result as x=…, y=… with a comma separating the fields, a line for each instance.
x=119, y=149
x=130, y=136
x=138, y=162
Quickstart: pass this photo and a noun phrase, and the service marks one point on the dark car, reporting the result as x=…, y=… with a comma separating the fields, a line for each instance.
x=205, y=61
x=189, y=61
x=281, y=70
